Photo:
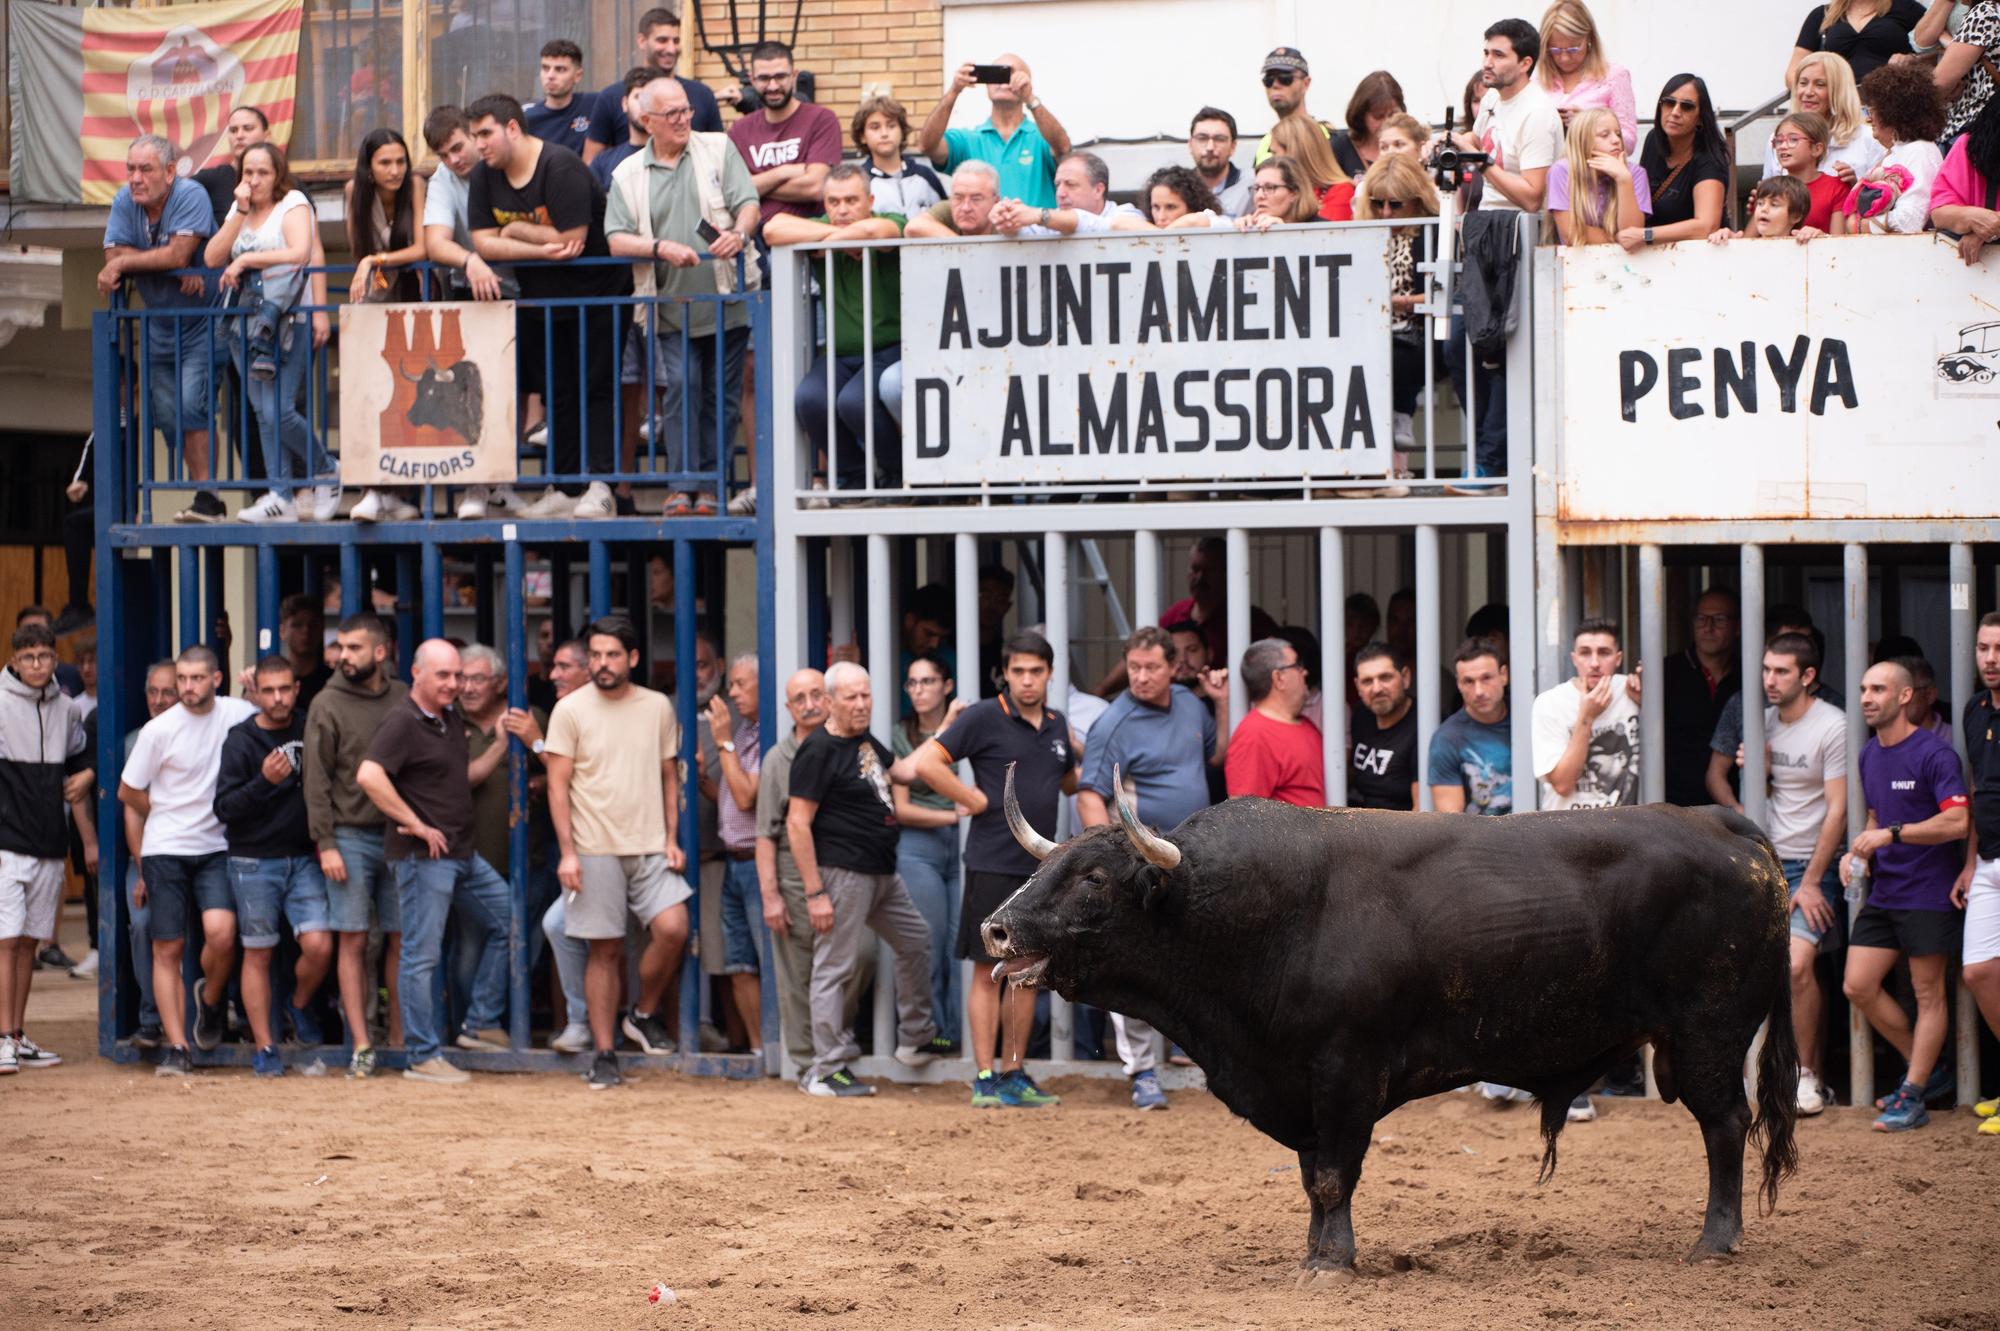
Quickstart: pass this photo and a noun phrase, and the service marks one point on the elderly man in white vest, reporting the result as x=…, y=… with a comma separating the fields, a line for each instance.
x=681, y=196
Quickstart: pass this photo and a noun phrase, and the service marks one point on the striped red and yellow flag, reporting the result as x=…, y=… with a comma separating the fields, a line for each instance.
x=172, y=70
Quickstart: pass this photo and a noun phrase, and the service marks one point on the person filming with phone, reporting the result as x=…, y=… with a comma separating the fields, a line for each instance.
x=1022, y=140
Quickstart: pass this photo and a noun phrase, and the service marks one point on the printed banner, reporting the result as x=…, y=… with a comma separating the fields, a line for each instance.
x=427, y=394
x=1853, y=377
x=83, y=83
x=1176, y=356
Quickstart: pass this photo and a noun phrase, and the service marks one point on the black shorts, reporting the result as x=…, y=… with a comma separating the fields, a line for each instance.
x=1915, y=933
x=984, y=894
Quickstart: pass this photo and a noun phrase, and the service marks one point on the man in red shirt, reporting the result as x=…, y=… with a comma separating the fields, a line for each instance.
x=789, y=144
x=1275, y=752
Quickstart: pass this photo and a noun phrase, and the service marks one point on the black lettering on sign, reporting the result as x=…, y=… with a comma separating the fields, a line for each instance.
x=1104, y=431
x=1153, y=320
x=953, y=323
x=1637, y=373
x=1005, y=333
x=1291, y=298
x=1738, y=377
x=933, y=403
x=1360, y=421
x=1332, y=263
x=1114, y=273
x=1788, y=372
x=1832, y=377
x=1073, y=306
x=1235, y=411
x=1680, y=383
x=1014, y=424
x=1033, y=334
x=1189, y=411
x=1152, y=429
x=1242, y=299
x=1050, y=444
x=1274, y=428
x=1199, y=322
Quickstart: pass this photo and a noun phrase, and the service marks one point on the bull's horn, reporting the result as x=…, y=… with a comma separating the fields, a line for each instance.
x=1156, y=850
x=1031, y=841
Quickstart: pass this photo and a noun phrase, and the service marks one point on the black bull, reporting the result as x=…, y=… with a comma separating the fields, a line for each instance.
x=1325, y=966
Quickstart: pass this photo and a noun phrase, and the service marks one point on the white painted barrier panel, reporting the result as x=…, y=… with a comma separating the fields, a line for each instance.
x=1173, y=356
x=1847, y=378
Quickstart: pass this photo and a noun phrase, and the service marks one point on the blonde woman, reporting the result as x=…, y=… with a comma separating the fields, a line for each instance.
x=1577, y=76
x=1593, y=191
x=1868, y=34
x=1332, y=189
x=1824, y=85
x=1397, y=188
x=1279, y=197
x=1406, y=134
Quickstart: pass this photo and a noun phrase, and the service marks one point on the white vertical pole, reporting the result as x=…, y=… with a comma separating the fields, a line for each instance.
x=1854, y=568
x=1652, y=698
x=882, y=676
x=1426, y=667
x=1756, y=769
x=1055, y=624
x=1237, y=546
x=1333, y=662
x=1963, y=684
x=1146, y=605
x=965, y=581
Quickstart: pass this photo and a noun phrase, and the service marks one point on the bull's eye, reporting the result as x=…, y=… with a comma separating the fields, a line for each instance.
x=1096, y=878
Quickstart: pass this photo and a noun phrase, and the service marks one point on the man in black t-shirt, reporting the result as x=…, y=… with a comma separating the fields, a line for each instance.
x=841, y=824
x=1017, y=731
x=536, y=204
x=1382, y=736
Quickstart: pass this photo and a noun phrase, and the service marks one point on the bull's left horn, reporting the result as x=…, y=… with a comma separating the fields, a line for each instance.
x=1156, y=850
x=1031, y=841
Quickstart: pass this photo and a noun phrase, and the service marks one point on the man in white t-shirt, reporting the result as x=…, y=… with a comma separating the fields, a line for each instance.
x=181, y=850
x=1806, y=819
x=1587, y=729
x=1083, y=207
x=1518, y=128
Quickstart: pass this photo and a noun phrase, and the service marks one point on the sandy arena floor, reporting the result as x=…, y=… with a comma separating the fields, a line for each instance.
x=527, y=1202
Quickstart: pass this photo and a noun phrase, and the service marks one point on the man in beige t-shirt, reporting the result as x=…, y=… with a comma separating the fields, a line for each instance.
x=614, y=796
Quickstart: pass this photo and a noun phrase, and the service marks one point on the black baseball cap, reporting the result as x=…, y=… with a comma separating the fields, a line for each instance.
x=1286, y=58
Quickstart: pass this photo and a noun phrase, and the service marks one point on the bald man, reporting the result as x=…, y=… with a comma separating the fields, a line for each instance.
x=418, y=773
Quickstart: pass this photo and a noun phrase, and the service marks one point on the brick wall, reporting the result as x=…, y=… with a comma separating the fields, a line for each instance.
x=856, y=48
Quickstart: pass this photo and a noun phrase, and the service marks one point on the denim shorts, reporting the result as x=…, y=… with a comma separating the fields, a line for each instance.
x=180, y=885
x=742, y=913
x=368, y=884
x=1829, y=887
x=266, y=888
x=194, y=391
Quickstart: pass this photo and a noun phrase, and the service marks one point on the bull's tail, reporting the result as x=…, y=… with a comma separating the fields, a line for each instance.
x=1777, y=1099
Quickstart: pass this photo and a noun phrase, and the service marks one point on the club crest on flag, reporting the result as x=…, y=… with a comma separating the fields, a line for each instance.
x=184, y=91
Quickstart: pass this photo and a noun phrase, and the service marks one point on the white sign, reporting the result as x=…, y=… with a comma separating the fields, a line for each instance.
x=427, y=394
x=1170, y=356
x=1846, y=378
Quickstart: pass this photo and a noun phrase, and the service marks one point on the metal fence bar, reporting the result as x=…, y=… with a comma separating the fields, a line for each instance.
x=1145, y=577
x=1428, y=668
x=1964, y=682
x=1854, y=641
x=1055, y=627
x=881, y=572
x=1750, y=615
x=1236, y=544
x=514, y=572
x=685, y=590
x=1333, y=655
x=1652, y=664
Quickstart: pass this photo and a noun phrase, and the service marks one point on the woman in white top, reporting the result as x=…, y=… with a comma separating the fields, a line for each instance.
x=1906, y=116
x=1824, y=84
x=266, y=243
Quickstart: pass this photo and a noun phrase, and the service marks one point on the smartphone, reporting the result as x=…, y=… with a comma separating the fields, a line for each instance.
x=992, y=73
x=706, y=230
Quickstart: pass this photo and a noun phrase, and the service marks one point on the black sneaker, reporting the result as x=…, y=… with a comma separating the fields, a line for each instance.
x=207, y=507
x=149, y=1036
x=648, y=1032
x=53, y=958
x=840, y=1086
x=209, y=1023
x=604, y=1073
x=176, y=1062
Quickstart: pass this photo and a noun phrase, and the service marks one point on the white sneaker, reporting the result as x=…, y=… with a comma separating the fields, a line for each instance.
x=552, y=504
x=1812, y=1099
x=537, y=437
x=85, y=969
x=743, y=503
x=596, y=502
x=383, y=506
x=575, y=1039
x=322, y=503
x=472, y=504
x=502, y=502
x=1581, y=1110
x=10, y=1062
x=1403, y=430
x=369, y=509
x=816, y=498
x=31, y=1055
x=273, y=507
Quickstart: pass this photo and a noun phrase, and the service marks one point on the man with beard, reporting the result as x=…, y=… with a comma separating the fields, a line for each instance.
x=1211, y=144
x=569, y=670
x=1699, y=683
x=614, y=796
x=1382, y=736
x=348, y=828
x=273, y=869
x=788, y=143
x=302, y=631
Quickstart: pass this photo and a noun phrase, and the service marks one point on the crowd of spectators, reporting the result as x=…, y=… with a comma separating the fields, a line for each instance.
x=1888, y=132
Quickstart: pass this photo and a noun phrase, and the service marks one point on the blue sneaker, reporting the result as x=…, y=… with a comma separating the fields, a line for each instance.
x=1903, y=1111
x=1018, y=1091
x=1940, y=1084
x=986, y=1091
x=305, y=1026
x=1146, y=1092
x=268, y=1062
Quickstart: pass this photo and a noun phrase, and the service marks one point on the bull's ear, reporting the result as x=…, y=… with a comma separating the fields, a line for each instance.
x=1154, y=887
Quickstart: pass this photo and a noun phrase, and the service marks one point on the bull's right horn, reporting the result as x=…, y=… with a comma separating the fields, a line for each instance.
x=1031, y=841
x=1156, y=850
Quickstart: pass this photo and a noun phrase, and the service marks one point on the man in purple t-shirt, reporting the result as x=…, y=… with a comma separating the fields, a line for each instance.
x=1917, y=815
x=788, y=143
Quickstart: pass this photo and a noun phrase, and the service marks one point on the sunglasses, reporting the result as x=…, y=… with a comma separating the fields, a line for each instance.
x=1280, y=79
x=1392, y=205
x=1680, y=104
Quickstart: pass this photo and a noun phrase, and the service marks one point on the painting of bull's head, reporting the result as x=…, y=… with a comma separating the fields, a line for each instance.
x=1091, y=901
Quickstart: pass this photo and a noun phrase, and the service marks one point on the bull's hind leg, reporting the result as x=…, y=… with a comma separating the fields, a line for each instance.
x=1308, y=1172
x=1710, y=1072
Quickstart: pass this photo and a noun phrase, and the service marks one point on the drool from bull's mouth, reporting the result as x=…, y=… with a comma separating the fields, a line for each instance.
x=1026, y=971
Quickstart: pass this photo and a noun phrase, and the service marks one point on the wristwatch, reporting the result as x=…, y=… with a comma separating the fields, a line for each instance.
x=536, y=748
x=727, y=745
x=1035, y=104
x=1649, y=235
x=1896, y=833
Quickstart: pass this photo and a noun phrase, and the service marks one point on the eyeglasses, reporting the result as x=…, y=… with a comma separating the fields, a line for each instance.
x=1264, y=187
x=1279, y=78
x=1788, y=140
x=770, y=79
x=1681, y=104
x=1569, y=50
x=1209, y=140
x=678, y=113
x=469, y=678
x=1278, y=670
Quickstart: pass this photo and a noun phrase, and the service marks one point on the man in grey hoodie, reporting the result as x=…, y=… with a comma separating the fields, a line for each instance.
x=348, y=828
x=43, y=767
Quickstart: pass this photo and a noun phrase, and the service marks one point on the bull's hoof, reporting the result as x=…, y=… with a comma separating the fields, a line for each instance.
x=1712, y=1250
x=1319, y=1274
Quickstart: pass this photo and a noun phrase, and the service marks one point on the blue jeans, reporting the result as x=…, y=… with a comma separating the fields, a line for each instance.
x=283, y=432
x=927, y=862
x=693, y=380
x=1829, y=886
x=177, y=387
x=426, y=892
x=850, y=412
x=1488, y=395
x=368, y=884
x=269, y=889
x=139, y=932
x=742, y=918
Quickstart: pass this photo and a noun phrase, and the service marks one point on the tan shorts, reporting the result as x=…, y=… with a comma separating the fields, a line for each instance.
x=30, y=893
x=617, y=885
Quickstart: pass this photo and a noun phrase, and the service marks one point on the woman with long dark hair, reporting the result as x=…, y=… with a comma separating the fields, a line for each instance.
x=1967, y=190
x=1178, y=197
x=927, y=851
x=1376, y=98
x=384, y=200
x=1686, y=161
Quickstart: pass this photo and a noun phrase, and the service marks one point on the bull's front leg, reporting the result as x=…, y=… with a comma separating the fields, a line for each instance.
x=1344, y=1130
x=1308, y=1173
